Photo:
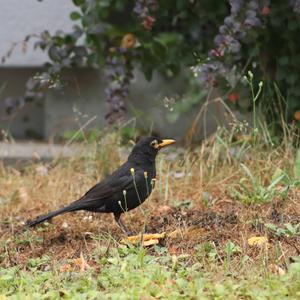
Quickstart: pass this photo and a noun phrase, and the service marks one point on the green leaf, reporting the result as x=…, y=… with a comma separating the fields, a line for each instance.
x=249, y=174
x=275, y=182
x=159, y=50
x=54, y=53
x=78, y=2
x=168, y=38
x=284, y=60
x=75, y=15
x=292, y=78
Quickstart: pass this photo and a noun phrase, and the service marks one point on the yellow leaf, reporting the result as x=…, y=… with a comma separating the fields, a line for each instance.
x=147, y=239
x=257, y=241
x=150, y=242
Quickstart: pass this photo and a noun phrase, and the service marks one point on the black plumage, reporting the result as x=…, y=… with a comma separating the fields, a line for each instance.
x=125, y=189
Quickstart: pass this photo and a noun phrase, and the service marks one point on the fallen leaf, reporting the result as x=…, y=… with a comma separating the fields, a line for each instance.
x=150, y=242
x=173, y=250
x=81, y=262
x=65, y=268
x=147, y=239
x=257, y=241
x=276, y=269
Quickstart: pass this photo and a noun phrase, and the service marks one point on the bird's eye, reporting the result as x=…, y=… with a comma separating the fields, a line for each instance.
x=154, y=144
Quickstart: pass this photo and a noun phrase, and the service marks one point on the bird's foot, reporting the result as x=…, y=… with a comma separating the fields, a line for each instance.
x=122, y=225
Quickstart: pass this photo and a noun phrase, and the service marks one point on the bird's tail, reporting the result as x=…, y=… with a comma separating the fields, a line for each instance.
x=48, y=216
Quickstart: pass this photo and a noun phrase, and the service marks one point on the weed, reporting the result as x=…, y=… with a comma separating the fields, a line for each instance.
x=289, y=230
x=230, y=249
x=252, y=191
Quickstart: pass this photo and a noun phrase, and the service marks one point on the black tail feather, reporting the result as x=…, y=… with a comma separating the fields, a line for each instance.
x=48, y=216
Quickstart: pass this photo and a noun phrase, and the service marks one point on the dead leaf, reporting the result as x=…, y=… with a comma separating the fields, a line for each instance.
x=150, y=242
x=81, y=262
x=257, y=241
x=65, y=268
x=276, y=269
x=147, y=239
x=173, y=250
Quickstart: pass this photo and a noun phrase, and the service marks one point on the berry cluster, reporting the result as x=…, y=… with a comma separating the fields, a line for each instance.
x=244, y=16
x=143, y=9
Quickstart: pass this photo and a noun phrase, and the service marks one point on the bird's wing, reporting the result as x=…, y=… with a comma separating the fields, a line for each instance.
x=106, y=191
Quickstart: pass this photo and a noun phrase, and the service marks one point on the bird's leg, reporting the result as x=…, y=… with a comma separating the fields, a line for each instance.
x=122, y=225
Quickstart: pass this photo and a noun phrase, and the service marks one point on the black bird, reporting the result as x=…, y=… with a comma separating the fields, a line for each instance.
x=123, y=190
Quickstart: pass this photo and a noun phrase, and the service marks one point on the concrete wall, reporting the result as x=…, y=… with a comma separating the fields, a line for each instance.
x=28, y=122
x=19, y=18
x=83, y=99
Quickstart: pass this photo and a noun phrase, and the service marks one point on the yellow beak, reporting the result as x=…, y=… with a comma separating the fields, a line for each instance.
x=165, y=143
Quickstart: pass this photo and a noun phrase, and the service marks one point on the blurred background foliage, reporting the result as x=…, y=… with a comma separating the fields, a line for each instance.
x=214, y=43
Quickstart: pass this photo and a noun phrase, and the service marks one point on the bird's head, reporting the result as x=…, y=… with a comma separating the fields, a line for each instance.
x=149, y=146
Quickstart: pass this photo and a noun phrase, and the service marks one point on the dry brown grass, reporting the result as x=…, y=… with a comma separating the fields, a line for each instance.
x=183, y=177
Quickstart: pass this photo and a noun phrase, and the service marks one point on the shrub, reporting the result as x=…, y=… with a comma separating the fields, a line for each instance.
x=219, y=40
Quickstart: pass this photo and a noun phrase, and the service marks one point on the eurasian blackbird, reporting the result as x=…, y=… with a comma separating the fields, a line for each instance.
x=123, y=190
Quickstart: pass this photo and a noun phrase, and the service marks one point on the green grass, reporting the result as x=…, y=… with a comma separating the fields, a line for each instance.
x=208, y=257
x=131, y=273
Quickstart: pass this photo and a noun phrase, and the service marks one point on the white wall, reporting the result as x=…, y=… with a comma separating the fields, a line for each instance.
x=19, y=18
